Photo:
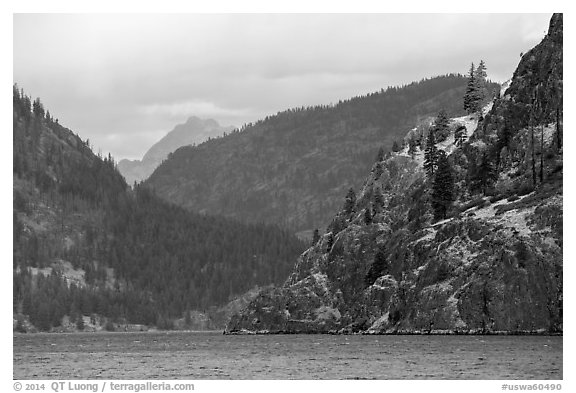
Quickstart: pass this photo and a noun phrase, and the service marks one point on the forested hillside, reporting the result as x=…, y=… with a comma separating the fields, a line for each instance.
x=293, y=168
x=460, y=234
x=86, y=244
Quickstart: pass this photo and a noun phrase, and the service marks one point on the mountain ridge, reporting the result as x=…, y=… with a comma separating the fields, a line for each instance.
x=195, y=130
x=292, y=168
x=87, y=244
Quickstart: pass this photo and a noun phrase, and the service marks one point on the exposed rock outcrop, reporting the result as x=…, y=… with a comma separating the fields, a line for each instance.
x=495, y=265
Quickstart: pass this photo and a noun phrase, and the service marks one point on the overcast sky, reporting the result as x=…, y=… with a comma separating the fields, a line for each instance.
x=123, y=81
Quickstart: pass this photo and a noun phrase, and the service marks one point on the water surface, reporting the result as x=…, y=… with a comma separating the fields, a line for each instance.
x=211, y=355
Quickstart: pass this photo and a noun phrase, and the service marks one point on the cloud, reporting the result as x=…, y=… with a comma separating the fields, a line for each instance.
x=106, y=75
x=199, y=108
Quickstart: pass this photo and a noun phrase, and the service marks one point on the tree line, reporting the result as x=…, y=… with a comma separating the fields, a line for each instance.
x=144, y=259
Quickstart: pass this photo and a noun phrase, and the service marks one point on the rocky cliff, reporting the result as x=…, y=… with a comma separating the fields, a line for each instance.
x=495, y=264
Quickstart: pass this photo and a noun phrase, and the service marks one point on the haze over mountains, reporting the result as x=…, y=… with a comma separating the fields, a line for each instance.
x=194, y=131
x=438, y=204
x=86, y=244
x=293, y=168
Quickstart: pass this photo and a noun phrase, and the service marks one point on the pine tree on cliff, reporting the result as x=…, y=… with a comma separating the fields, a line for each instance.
x=38, y=108
x=378, y=170
x=441, y=123
x=378, y=268
x=480, y=76
x=505, y=135
x=350, y=202
x=481, y=72
x=460, y=136
x=533, y=157
x=380, y=155
x=486, y=172
x=330, y=242
x=472, y=96
x=315, y=236
x=367, y=216
x=395, y=147
x=556, y=98
x=558, y=133
x=442, y=187
x=541, y=104
x=430, y=154
x=412, y=144
x=541, y=153
x=532, y=144
x=378, y=201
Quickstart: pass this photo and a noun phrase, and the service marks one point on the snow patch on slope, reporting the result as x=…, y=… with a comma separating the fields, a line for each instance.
x=322, y=281
x=505, y=87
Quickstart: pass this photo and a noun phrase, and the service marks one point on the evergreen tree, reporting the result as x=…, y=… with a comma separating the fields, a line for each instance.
x=395, y=147
x=378, y=201
x=480, y=73
x=556, y=104
x=350, y=202
x=38, y=108
x=472, y=97
x=380, y=155
x=533, y=156
x=430, y=154
x=378, y=268
x=441, y=125
x=367, y=216
x=505, y=135
x=330, y=242
x=442, y=187
x=460, y=136
x=558, y=132
x=315, y=237
x=481, y=80
x=541, y=153
x=486, y=173
x=378, y=170
x=412, y=144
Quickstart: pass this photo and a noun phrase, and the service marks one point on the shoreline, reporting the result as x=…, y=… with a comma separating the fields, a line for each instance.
x=103, y=331
x=471, y=332
x=244, y=332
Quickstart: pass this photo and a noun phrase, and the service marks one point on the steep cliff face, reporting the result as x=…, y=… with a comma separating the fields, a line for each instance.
x=497, y=267
x=495, y=264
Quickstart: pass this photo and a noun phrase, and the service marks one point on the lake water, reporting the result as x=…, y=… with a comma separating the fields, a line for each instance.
x=203, y=355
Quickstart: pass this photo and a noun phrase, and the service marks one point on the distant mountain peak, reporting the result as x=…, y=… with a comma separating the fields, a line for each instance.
x=197, y=121
x=194, y=131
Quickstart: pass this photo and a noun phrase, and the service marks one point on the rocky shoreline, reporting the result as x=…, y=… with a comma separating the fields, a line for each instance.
x=471, y=332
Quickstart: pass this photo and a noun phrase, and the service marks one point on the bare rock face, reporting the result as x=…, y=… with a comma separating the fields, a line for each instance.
x=494, y=265
x=493, y=273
